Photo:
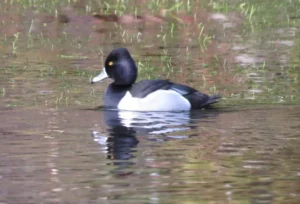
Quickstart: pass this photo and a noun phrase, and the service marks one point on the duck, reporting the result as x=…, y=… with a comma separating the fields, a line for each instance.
x=124, y=93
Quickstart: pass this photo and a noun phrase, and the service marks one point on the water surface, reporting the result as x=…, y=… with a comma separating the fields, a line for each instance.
x=57, y=146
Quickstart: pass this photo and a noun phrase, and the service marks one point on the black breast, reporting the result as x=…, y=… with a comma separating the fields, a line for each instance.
x=114, y=94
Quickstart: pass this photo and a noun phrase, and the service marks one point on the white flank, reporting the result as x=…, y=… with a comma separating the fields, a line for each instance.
x=161, y=100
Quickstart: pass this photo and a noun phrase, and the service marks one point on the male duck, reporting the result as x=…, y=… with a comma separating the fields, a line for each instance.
x=146, y=95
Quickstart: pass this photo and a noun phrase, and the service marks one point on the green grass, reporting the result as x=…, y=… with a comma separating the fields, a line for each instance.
x=174, y=51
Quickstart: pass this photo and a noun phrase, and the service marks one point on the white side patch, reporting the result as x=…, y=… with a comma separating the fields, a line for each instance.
x=161, y=100
x=182, y=92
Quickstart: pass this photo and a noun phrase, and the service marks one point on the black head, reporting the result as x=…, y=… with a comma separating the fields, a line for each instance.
x=120, y=66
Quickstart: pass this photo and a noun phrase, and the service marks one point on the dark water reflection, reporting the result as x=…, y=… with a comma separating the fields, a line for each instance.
x=238, y=155
x=123, y=127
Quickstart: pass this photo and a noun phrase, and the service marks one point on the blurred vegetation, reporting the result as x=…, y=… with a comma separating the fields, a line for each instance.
x=168, y=39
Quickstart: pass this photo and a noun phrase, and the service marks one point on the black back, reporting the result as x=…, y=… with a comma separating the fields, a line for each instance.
x=142, y=88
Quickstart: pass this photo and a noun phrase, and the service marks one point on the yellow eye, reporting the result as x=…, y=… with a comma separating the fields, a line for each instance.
x=110, y=63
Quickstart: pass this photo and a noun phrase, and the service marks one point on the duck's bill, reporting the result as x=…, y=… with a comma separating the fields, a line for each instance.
x=100, y=77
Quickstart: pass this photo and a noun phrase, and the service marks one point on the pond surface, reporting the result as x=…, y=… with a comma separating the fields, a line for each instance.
x=58, y=145
x=86, y=156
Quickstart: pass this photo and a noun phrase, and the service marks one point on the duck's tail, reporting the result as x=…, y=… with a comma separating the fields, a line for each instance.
x=213, y=99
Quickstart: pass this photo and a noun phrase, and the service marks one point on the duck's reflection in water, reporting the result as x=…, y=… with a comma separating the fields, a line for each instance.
x=124, y=126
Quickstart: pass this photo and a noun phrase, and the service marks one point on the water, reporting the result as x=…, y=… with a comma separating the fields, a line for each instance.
x=238, y=155
x=58, y=145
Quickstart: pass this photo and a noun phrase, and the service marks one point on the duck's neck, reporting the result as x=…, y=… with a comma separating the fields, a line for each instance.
x=125, y=79
x=114, y=93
